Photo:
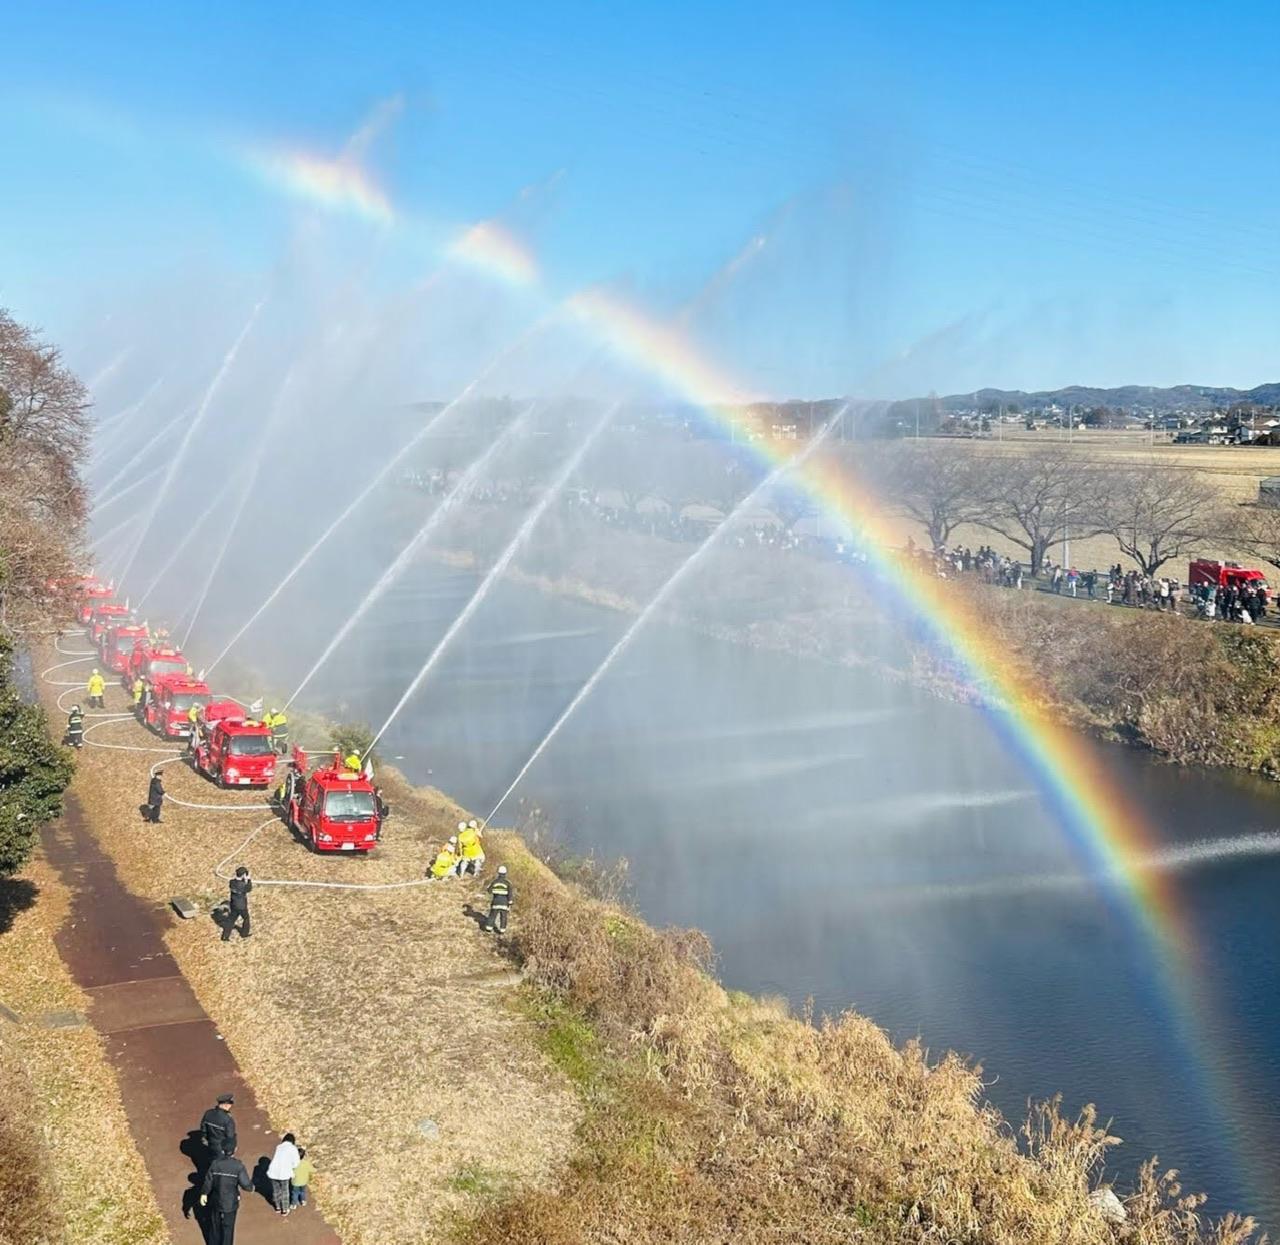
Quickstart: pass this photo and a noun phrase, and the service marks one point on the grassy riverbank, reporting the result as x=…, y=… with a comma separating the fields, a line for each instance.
x=591, y=1081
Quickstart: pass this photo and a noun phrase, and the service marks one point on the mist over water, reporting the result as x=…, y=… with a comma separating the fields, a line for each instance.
x=286, y=483
x=837, y=841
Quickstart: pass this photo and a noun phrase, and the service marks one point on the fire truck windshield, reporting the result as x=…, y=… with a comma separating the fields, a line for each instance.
x=126, y=643
x=249, y=746
x=167, y=665
x=182, y=701
x=349, y=805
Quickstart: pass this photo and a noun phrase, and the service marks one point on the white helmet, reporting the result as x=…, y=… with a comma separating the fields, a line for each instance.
x=462, y=825
x=453, y=840
x=95, y=670
x=474, y=824
x=502, y=869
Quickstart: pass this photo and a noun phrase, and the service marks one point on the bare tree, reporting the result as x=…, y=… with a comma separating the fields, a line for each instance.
x=43, y=435
x=1256, y=529
x=1157, y=512
x=939, y=484
x=1037, y=498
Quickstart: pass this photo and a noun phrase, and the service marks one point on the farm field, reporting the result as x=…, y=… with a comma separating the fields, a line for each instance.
x=1235, y=471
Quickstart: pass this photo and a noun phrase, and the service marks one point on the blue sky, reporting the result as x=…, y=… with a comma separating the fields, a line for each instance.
x=953, y=195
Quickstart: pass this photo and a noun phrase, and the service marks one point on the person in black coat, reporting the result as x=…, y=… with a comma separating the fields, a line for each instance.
x=218, y=1128
x=238, y=916
x=155, y=798
x=223, y=1183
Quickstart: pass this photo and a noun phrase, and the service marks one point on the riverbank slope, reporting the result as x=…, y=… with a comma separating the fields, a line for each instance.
x=589, y=1081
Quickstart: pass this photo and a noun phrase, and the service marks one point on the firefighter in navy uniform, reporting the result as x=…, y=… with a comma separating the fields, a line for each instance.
x=501, y=894
x=218, y=1128
x=238, y=905
x=155, y=799
x=75, y=726
x=223, y=1183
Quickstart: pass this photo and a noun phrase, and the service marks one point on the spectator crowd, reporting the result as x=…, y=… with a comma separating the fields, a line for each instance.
x=1239, y=603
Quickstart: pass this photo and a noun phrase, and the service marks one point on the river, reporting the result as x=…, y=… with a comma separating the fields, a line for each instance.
x=861, y=844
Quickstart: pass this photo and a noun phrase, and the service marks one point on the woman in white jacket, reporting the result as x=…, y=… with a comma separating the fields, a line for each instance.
x=280, y=1172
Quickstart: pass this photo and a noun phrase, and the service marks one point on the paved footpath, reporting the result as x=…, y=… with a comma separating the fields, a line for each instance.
x=166, y=1051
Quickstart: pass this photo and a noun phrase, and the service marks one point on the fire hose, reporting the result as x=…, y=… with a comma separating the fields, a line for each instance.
x=172, y=755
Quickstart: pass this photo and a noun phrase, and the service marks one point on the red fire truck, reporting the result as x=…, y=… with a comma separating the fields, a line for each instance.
x=118, y=644
x=150, y=661
x=1224, y=575
x=170, y=699
x=236, y=753
x=106, y=614
x=336, y=810
x=93, y=592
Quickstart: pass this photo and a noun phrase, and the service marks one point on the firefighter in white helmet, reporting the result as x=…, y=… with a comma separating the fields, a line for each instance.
x=445, y=865
x=501, y=895
x=470, y=848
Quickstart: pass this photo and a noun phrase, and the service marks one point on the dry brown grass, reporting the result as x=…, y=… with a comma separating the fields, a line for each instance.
x=712, y=1117
x=355, y=1015
x=99, y=1188
x=28, y=1215
x=699, y=1115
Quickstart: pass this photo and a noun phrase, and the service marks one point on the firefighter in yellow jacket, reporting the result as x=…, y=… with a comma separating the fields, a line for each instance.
x=470, y=848
x=96, y=688
x=445, y=865
x=279, y=724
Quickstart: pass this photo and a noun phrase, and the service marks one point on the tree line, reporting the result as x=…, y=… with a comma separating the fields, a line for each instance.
x=1156, y=511
x=44, y=433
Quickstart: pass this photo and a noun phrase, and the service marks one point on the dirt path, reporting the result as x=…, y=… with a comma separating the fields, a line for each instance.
x=169, y=1057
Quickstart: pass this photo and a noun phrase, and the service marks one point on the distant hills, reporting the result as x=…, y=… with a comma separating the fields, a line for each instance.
x=1143, y=399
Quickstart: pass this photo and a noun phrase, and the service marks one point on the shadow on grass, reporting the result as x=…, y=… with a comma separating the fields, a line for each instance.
x=16, y=896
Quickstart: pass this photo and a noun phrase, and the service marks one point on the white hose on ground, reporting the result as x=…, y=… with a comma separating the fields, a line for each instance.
x=173, y=754
x=110, y=720
x=304, y=882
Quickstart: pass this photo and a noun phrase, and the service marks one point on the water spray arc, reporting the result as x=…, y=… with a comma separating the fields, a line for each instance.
x=121, y=494
x=458, y=493
x=178, y=549
x=659, y=598
x=497, y=570
x=250, y=479
x=352, y=506
x=197, y=419
x=138, y=448
x=105, y=538
x=132, y=409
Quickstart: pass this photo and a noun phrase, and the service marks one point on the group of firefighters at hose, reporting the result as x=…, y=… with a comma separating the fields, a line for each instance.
x=462, y=856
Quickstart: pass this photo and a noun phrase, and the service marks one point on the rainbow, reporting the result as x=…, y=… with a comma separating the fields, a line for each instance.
x=339, y=185
x=493, y=249
x=1109, y=835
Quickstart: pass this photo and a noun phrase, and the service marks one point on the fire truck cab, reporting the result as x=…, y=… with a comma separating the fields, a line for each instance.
x=336, y=810
x=105, y=615
x=1224, y=575
x=118, y=644
x=236, y=753
x=150, y=661
x=170, y=701
x=93, y=592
